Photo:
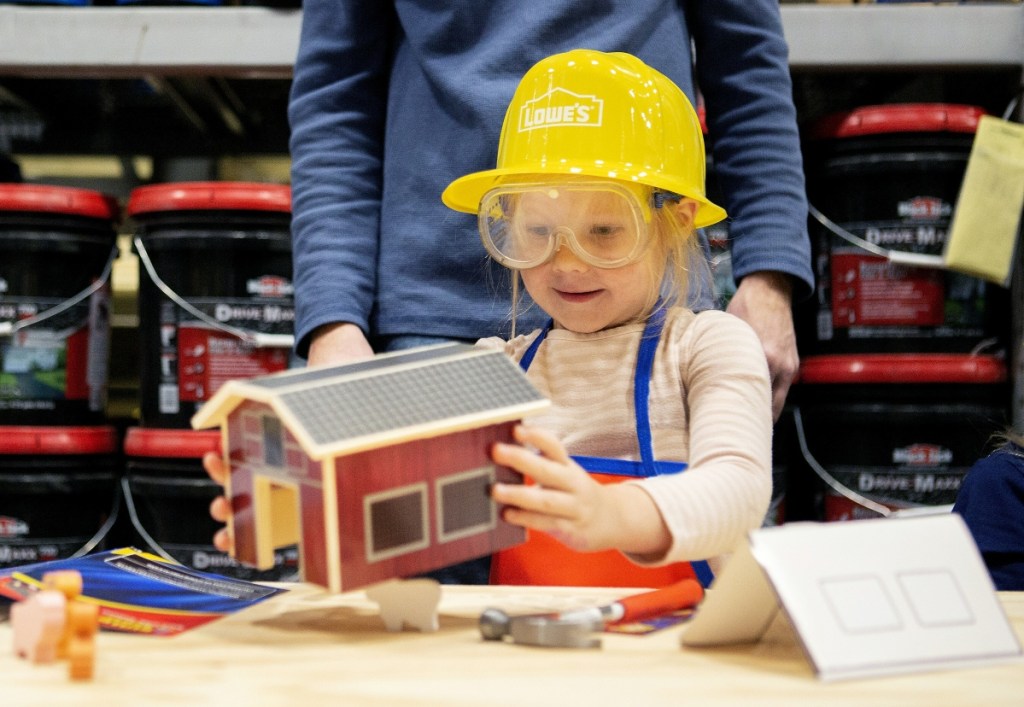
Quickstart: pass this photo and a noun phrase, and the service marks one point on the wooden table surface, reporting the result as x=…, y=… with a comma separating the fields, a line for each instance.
x=307, y=647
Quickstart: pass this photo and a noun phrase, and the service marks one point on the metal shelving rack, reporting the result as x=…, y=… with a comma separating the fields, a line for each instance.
x=859, y=37
x=261, y=42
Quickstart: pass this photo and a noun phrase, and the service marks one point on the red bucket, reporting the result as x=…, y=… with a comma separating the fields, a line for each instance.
x=167, y=494
x=885, y=179
x=880, y=433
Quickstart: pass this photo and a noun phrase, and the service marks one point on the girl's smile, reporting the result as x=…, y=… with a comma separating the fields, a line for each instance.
x=586, y=299
x=578, y=297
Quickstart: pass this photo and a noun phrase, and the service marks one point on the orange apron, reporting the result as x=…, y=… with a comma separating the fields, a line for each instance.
x=542, y=560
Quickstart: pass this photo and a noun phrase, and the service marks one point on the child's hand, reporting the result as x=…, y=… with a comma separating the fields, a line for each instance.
x=569, y=505
x=220, y=509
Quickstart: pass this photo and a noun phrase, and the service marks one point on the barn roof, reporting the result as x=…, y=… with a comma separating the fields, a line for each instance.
x=387, y=399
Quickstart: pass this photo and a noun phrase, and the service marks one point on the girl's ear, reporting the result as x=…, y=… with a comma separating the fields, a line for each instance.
x=686, y=212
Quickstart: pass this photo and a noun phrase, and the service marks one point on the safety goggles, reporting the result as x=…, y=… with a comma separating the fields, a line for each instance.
x=605, y=224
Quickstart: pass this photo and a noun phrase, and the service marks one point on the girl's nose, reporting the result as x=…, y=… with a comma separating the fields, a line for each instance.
x=564, y=258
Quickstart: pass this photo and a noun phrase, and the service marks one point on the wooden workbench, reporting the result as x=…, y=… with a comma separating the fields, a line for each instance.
x=306, y=647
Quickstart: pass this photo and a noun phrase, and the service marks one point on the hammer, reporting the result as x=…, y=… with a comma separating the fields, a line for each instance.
x=574, y=629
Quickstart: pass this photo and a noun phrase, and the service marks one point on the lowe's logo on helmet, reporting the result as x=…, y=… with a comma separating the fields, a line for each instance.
x=559, y=107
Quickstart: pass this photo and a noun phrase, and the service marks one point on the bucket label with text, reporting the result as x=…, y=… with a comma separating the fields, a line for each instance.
x=26, y=552
x=865, y=296
x=62, y=358
x=868, y=290
x=197, y=358
x=206, y=558
x=921, y=474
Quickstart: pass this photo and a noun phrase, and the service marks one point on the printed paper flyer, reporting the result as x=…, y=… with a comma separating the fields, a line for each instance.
x=142, y=593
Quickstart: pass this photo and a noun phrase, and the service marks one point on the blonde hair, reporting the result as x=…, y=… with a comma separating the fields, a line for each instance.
x=674, y=250
x=1009, y=437
x=687, y=271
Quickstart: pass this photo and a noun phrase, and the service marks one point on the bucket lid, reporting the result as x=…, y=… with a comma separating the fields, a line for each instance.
x=902, y=368
x=163, y=442
x=210, y=196
x=39, y=198
x=900, y=118
x=57, y=440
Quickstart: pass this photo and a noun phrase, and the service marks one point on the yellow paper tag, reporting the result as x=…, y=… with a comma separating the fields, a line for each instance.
x=983, y=234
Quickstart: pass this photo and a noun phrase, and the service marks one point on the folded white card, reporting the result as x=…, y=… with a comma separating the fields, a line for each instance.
x=865, y=598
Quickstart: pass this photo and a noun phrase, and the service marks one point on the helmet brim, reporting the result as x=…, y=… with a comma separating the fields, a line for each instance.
x=464, y=194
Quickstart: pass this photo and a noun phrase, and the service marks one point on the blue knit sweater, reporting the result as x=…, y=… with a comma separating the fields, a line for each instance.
x=393, y=100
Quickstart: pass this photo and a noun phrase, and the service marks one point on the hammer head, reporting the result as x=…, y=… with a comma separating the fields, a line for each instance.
x=547, y=630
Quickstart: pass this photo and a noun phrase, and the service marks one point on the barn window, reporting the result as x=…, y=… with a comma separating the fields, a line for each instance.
x=273, y=442
x=464, y=505
x=395, y=521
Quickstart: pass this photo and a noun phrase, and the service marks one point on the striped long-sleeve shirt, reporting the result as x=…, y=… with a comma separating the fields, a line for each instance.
x=709, y=406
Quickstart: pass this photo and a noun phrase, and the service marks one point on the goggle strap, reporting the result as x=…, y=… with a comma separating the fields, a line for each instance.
x=660, y=197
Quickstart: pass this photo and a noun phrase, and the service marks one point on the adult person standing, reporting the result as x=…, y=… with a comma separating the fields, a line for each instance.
x=393, y=100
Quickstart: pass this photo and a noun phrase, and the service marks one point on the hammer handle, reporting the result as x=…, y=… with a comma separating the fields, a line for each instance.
x=681, y=595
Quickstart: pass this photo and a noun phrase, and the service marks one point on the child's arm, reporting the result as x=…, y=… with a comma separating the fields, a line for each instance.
x=568, y=504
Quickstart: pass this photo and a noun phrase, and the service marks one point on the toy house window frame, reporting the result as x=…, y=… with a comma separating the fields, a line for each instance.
x=455, y=496
x=274, y=445
x=408, y=543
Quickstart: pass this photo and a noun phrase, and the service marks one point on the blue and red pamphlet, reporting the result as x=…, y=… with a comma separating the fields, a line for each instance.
x=138, y=592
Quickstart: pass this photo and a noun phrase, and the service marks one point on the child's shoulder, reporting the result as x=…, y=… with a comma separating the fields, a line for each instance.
x=705, y=322
x=494, y=343
x=513, y=347
x=712, y=333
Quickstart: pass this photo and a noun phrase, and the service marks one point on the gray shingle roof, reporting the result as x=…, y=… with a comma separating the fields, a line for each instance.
x=393, y=397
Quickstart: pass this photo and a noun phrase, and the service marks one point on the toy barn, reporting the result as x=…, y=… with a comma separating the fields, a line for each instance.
x=376, y=469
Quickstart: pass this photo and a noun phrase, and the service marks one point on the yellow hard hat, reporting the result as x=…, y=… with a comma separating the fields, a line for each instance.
x=594, y=114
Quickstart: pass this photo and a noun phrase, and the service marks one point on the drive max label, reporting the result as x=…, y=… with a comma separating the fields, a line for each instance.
x=269, y=313
x=909, y=483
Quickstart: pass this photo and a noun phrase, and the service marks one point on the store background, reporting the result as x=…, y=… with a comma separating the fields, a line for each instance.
x=115, y=98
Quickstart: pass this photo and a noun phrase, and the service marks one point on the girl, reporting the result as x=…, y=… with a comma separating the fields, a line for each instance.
x=594, y=202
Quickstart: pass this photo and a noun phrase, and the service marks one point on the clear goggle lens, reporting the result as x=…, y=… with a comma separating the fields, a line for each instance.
x=522, y=226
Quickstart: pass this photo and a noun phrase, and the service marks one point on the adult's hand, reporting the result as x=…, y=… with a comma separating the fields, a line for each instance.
x=338, y=343
x=764, y=300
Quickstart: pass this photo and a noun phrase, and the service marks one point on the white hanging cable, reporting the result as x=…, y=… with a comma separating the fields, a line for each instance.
x=836, y=486
x=11, y=328
x=104, y=530
x=129, y=504
x=851, y=495
x=917, y=260
x=253, y=338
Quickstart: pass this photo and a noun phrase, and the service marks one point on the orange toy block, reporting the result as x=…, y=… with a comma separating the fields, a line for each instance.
x=68, y=583
x=54, y=623
x=38, y=624
x=82, y=625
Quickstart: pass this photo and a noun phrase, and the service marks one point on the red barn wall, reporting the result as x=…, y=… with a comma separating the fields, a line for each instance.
x=241, y=484
x=312, y=548
x=409, y=463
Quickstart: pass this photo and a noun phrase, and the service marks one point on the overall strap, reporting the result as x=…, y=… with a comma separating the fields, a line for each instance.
x=530, y=352
x=641, y=394
x=642, y=387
